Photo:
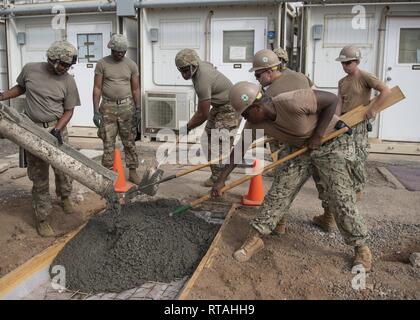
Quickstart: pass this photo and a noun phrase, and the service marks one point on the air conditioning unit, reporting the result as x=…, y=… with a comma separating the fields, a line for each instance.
x=165, y=110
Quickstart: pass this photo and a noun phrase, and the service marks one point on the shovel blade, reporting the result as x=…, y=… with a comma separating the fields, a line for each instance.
x=149, y=184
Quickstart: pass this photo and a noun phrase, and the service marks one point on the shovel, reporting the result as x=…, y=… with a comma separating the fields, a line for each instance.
x=151, y=180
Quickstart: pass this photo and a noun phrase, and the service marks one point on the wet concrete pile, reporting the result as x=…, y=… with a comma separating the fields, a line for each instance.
x=146, y=245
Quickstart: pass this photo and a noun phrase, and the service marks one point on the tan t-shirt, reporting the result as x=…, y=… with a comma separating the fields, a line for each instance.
x=296, y=118
x=357, y=90
x=116, y=77
x=211, y=84
x=289, y=80
x=287, y=70
x=48, y=94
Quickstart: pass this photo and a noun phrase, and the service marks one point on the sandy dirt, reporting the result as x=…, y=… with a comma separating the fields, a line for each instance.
x=303, y=264
x=307, y=263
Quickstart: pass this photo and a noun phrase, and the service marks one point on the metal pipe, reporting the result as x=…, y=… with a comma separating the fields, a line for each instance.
x=37, y=141
x=207, y=33
x=359, y=3
x=380, y=55
x=279, y=23
x=45, y=8
x=195, y=3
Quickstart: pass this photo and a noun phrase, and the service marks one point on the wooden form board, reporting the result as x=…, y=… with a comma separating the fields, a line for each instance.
x=35, y=264
x=208, y=258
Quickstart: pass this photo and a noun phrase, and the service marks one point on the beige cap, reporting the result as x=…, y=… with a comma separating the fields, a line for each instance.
x=282, y=54
x=243, y=94
x=186, y=57
x=349, y=53
x=264, y=59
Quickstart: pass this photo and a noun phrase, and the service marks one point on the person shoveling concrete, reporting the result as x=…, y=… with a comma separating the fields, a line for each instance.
x=149, y=246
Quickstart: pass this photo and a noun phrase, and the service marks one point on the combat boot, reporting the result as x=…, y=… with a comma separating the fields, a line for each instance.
x=44, y=229
x=133, y=176
x=363, y=256
x=251, y=246
x=67, y=205
x=280, y=228
x=325, y=221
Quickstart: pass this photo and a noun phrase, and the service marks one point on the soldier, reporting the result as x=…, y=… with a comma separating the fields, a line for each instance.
x=296, y=118
x=354, y=90
x=117, y=81
x=49, y=105
x=271, y=72
x=212, y=89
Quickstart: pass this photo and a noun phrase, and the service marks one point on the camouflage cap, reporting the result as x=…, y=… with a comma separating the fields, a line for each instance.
x=186, y=57
x=62, y=51
x=282, y=54
x=118, y=43
x=264, y=59
x=349, y=53
x=243, y=94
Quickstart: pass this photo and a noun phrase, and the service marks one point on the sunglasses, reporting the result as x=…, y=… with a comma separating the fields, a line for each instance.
x=184, y=69
x=65, y=65
x=259, y=74
x=347, y=62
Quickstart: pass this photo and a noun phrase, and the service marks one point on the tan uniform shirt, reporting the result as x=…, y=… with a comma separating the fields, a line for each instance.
x=211, y=84
x=116, y=77
x=289, y=80
x=287, y=70
x=356, y=90
x=296, y=118
x=48, y=94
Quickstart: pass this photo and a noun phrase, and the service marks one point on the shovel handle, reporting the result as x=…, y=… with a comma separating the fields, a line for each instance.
x=270, y=166
x=204, y=165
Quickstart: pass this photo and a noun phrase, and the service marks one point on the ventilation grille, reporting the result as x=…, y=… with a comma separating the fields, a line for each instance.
x=161, y=114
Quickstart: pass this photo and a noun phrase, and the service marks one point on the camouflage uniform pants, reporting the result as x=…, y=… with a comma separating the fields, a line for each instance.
x=361, y=142
x=284, y=150
x=38, y=173
x=118, y=120
x=223, y=117
x=333, y=162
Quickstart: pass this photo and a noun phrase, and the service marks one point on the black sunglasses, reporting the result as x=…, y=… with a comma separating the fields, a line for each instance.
x=347, y=62
x=259, y=74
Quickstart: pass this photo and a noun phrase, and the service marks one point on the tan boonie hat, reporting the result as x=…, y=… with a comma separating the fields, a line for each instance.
x=282, y=54
x=264, y=59
x=243, y=94
x=118, y=43
x=186, y=57
x=62, y=51
x=349, y=53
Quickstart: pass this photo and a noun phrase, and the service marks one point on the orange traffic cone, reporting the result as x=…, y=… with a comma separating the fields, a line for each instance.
x=121, y=185
x=255, y=196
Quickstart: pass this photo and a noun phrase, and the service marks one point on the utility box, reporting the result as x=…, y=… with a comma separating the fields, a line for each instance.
x=317, y=32
x=125, y=8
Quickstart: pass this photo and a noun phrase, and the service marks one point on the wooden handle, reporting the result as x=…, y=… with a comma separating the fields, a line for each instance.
x=204, y=165
x=270, y=166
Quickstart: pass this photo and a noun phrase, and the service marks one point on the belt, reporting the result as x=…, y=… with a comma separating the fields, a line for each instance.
x=46, y=124
x=118, y=101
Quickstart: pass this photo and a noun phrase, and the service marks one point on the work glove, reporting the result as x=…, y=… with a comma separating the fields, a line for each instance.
x=137, y=116
x=97, y=118
x=341, y=124
x=57, y=133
